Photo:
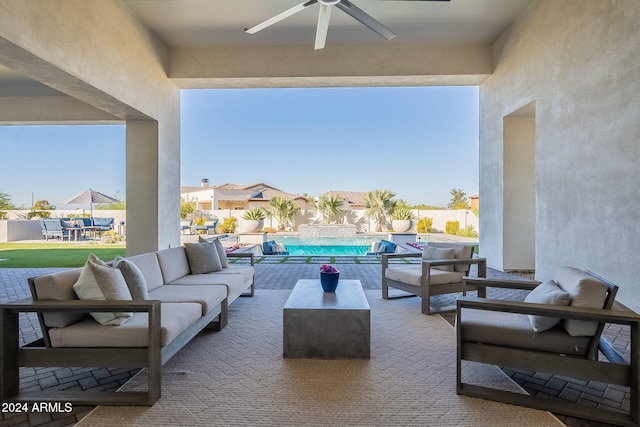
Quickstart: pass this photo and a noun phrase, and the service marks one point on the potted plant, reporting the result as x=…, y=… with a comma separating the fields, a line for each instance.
x=401, y=219
x=329, y=278
x=254, y=220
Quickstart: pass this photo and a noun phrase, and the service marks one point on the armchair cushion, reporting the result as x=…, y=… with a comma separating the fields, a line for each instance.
x=515, y=331
x=413, y=275
x=101, y=282
x=585, y=291
x=432, y=253
x=546, y=293
x=459, y=252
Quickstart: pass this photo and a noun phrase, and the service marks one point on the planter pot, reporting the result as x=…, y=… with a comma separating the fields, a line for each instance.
x=253, y=225
x=329, y=281
x=401, y=225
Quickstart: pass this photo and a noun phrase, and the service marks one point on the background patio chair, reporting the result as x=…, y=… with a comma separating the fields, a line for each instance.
x=545, y=334
x=54, y=229
x=185, y=226
x=274, y=248
x=207, y=226
x=441, y=271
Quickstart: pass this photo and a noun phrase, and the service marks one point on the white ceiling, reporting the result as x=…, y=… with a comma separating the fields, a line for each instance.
x=181, y=23
x=222, y=22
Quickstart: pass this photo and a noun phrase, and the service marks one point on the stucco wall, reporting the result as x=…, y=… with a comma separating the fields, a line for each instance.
x=579, y=61
x=98, y=52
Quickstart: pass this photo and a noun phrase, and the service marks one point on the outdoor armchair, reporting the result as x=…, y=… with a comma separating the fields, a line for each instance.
x=443, y=267
x=556, y=330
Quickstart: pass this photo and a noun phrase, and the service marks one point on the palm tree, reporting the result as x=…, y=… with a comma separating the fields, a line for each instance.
x=284, y=210
x=379, y=204
x=329, y=205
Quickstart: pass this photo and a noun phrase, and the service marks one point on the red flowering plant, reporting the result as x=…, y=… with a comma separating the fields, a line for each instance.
x=324, y=268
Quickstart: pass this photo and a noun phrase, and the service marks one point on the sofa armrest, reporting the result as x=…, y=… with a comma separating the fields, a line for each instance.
x=564, y=312
x=481, y=282
x=242, y=255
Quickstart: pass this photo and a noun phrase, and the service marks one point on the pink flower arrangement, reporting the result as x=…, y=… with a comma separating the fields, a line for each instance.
x=324, y=268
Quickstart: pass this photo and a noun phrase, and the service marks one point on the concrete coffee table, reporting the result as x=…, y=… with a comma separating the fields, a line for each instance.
x=327, y=325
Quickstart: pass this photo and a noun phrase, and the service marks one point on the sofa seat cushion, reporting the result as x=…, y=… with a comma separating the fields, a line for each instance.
x=150, y=268
x=208, y=296
x=58, y=287
x=245, y=270
x=585, y=291
x=173, y=263
x=175, y=318
x=234, y=282
x=413, y=275
x=515, y=330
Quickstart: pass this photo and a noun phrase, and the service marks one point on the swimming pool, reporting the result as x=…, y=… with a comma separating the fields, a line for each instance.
x=327, y=246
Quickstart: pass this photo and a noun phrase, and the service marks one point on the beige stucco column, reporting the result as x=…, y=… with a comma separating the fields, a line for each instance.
x=98, y=53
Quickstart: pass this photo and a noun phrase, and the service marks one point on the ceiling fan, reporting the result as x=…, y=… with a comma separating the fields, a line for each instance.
x=326, y=7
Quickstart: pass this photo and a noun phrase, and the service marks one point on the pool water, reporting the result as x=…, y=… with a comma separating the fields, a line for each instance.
x=327, y=246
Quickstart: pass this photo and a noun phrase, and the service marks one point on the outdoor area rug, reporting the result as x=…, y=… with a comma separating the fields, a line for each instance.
x=237, y=377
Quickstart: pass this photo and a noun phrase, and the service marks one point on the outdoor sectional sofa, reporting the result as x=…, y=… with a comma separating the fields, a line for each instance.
x=178, y=300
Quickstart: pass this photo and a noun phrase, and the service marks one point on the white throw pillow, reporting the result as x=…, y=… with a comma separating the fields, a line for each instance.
x=101, y=282
x=431, y=253
x=547, y=293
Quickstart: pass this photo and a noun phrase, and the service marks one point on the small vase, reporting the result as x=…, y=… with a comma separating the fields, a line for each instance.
x=329, y=281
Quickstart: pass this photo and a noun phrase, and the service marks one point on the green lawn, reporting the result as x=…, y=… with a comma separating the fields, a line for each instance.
x=36, y=255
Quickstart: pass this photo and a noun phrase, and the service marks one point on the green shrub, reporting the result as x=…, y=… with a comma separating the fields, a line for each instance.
x=39, y=214
x=228, y=226
x=468, y=232
x=425, y=225
x=3, y=215
x=452, y=227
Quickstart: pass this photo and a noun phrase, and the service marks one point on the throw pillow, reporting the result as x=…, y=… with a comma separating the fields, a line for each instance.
x=221, y=252
x=546, y=293
x=100, y=282
x=430, y=253
x=203, y=257
x=389, y=247
x=136, y=282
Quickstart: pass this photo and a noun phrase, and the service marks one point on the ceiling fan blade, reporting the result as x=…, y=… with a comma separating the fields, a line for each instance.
x=323, y=25
x=365, y=19
x=280, y=17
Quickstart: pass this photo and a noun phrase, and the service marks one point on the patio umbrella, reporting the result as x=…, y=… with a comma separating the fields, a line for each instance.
x=90, y=196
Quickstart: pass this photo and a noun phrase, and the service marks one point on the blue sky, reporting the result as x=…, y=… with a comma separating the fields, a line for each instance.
x=418, y=142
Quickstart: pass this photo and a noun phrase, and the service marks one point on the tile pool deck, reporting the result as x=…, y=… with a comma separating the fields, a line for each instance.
x=275, y=272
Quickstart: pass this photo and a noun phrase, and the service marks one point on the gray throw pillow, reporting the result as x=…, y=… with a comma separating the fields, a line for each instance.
x=203, y=257
x=222, y=254
x=431, y=253
x=136, y=282
x=546, y=293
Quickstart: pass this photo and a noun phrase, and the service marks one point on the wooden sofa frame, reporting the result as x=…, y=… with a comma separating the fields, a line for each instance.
x=41, y=354
x=427, y=290
x=618, y=371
